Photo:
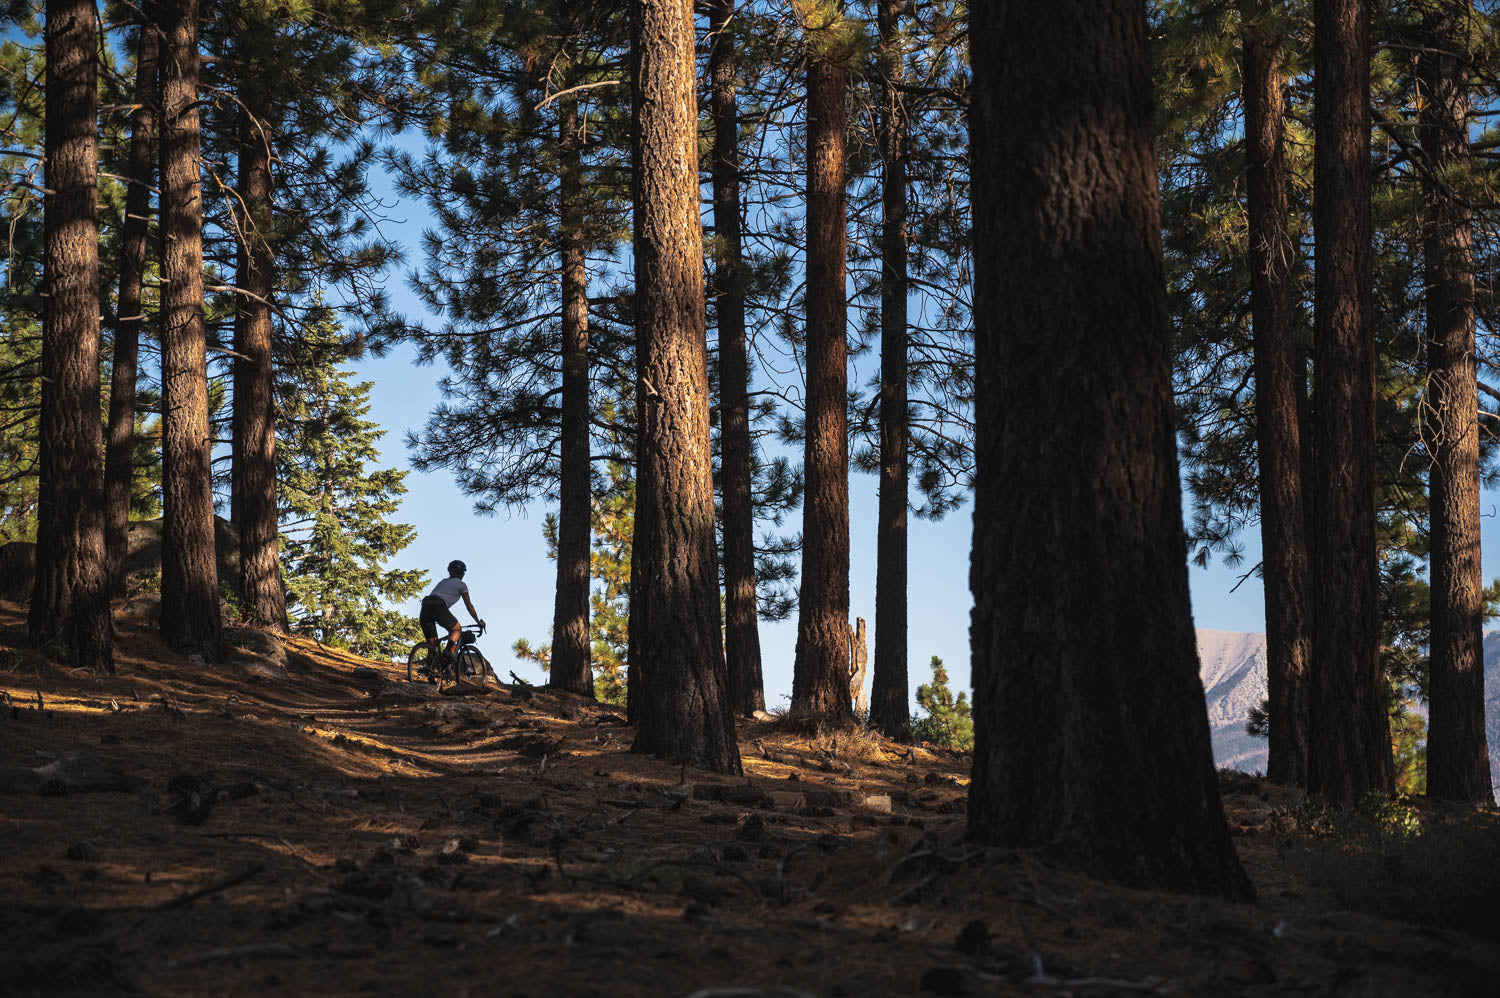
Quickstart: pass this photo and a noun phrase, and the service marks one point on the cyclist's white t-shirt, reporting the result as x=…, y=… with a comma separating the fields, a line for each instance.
x=449, y=591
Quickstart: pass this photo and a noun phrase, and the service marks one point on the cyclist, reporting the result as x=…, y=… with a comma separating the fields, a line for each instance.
x=437, y=609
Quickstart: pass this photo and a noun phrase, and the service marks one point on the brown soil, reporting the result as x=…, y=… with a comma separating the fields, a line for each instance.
x=383, y=838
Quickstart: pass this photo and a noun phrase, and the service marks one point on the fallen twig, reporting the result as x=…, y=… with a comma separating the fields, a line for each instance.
x=213, y=888
x=237, y=953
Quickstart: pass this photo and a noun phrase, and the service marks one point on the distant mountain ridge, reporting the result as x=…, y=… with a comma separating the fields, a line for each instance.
x=1232, y=665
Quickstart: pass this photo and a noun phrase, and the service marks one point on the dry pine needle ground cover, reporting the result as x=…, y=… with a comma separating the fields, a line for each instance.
x=340, y=831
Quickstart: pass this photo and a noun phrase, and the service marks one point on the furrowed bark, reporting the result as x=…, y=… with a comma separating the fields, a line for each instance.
x=1349, y=735
x=1092, y=743
x=820, y=676
x=679, y=692
x=70, y=597
x=189, y=584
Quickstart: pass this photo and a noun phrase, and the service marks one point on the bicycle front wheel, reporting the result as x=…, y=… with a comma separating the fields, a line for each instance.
x=473, y=667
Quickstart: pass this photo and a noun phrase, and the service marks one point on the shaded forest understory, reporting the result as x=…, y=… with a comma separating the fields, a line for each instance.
x=352, y=833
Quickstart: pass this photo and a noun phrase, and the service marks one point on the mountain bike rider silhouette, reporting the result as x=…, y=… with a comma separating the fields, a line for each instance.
x=437, y=609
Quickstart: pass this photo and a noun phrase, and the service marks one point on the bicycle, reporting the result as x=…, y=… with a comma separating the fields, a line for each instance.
x=453, y=664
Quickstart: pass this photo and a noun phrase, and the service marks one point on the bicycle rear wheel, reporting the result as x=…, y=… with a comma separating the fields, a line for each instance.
x=417, y=658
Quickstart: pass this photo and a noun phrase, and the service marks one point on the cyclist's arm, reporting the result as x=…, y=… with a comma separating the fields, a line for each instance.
x=472, y=612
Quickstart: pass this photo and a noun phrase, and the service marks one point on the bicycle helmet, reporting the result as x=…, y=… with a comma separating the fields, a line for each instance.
x=457, y=567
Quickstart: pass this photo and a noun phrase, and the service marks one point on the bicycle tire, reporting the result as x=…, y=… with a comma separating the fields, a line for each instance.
x=472, y=666
x=417, y=657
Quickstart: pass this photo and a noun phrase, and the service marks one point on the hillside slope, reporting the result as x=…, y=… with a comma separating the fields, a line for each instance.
x=336, y=830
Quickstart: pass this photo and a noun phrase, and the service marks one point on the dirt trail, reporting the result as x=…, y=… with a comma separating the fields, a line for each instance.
x=344, y=832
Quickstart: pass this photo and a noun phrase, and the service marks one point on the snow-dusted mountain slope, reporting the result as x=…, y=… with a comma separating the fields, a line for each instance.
x=1232, y=666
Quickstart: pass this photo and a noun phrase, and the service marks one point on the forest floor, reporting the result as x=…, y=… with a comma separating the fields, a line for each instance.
x=341, y=831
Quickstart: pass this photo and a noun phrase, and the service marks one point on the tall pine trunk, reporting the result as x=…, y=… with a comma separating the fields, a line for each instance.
x=571, y=669
x=820, y=676
x=1277, y=386
x=262, y=593
x=70, y=600
x=189, y=584
x=890, y=699
x=679, y=692
x=1091, y=743
x=1458, y=765
x=1349, y=735
x=741, y=625
x=119, y=458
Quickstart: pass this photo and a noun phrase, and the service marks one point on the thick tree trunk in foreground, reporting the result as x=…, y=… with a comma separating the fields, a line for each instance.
x=1458, y=763
x=1349, y=734
x=262, y=594
x=820, y=677
x=1092, y=743
x=680, y=698
x=119, y=461
x=571, y=669
x=189, y=584
x=1277, y=384
x=741, y=623
x=890, y=697
x=70, y=599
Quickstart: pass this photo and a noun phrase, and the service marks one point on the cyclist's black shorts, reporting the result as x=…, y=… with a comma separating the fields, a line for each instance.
x=435, y=614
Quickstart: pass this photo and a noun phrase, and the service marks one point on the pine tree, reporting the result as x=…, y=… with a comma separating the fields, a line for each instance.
x=1349, y=737
x=613, y=522
x=949, y=721
x=1091, y=744
x=820, y=677
x=336, y=534
x=679, y=684
x=70, y=599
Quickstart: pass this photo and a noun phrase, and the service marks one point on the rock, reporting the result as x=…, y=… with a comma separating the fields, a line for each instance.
x=366, y=675
x=787, y=800
x=880, y=803
x=752, y=830
x=262, y=644
x=73, y=773
x=143, y=606
x=84, y=851
x=761, y=715
x=258, y=668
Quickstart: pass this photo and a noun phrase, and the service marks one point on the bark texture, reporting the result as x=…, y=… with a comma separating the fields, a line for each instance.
x=1092, y=743
x=571, y=669
x=680, y=690
x=741, y=624
x=70, y=598
x=119, y=459
x=1458, y=763
x=820, y=676
x=262, y=593
x=1283, y=520
x=890, y=696
x=189, y=585
x=1349, y=734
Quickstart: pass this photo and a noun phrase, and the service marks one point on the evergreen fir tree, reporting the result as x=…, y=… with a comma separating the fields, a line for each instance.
x=336, y=530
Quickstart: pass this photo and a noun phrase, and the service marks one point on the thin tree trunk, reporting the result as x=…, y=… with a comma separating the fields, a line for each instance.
x=571, y=668
x=890, y=698
x=681, y=698
x=820, y=676
x=1458, y=764
x=1349, y=734
x=189, y=583
x=741, y=631
x=119, y=463
x=1092, y=743
x=262, y=593
x=1278, y=435
x=70, y=599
